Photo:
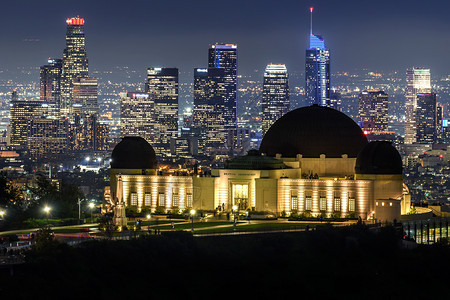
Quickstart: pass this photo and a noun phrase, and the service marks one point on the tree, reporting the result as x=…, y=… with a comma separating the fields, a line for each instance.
x=44, y=239
x=63, y=201
x=10, y=195
x=106, y=225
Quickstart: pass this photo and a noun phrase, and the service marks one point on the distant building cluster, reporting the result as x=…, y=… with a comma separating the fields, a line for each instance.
x=66, y=116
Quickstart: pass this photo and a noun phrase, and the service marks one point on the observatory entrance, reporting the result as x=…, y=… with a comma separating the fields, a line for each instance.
x=240, y=196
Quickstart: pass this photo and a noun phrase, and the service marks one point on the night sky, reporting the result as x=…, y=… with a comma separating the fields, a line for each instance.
x=380, y=35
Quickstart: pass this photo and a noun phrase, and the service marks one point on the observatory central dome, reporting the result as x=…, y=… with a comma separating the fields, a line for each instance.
x=312, y=131
x=133, y=153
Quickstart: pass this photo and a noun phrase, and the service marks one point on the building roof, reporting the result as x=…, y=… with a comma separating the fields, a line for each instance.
x=254, y=161
x=133, y=153
x=312, y=131
x=379, y=157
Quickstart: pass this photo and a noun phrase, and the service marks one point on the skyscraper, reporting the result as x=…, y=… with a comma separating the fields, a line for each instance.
x=224, y=56
x=22, y=112
x=47, y=137
x=275, y=99
x=95, y=134
x=209, y=125
x=373, y=111
x=74, y=62
x=86, y=133
x=85, y=94
x=50, y=81
x=426, y=118
x=417, y=81
x=162, y=85
x=317, y=70
x=14, y=95
x=335, y=100
x=137, y=115
x=50, y=85
x=439, y=123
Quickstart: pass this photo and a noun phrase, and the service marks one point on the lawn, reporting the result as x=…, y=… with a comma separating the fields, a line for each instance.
x=269, y=226
x=154, y=222
x=196, y=225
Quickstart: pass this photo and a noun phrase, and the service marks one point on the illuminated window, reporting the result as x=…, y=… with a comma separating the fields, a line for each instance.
x=382, y=203
x=133, y=199
x=390, y=203
x=148, y=199
x=188, y=200
x=323, y=203
x=294, y=201
x=162, y=199
x=351, y=204
x=337, y=204
x=308, y=203
x=175, y=200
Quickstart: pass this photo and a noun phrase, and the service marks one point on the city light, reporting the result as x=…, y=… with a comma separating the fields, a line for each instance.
x=338, y=131
x=47, y=210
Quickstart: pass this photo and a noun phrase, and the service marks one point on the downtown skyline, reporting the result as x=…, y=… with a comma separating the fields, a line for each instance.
x=379, y=37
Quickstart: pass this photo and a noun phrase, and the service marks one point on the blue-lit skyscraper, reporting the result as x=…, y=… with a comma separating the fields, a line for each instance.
x=317, y=71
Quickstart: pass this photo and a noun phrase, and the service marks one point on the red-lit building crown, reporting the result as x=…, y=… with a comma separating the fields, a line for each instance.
x=75, y=21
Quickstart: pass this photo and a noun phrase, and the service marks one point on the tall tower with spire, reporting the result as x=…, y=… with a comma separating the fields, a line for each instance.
x=317, y=70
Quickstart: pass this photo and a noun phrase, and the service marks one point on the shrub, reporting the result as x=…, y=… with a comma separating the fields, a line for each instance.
x=160, y=210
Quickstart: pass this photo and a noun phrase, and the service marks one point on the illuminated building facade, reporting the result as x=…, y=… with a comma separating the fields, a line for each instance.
x=86, y=133
x=162, y=85
x=335, y=100
x=85, y=94
x=209, y=119
x=96, y=134
x=313, y=161
x=275, y=99
x=50, y=84
x=417, y=81
x=48, y=136
x=317, y=71
x=373, y=111
x=22, y=112
x=224, y=56
x=439, y=123
x=74, y=62
x=426, y=118
x=137, y=115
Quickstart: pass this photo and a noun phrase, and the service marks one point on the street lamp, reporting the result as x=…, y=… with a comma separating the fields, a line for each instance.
x=234, y=211
x=192, y=219
x=79, y=211
x=91, y=206
x=47, y=210
x=2, y=213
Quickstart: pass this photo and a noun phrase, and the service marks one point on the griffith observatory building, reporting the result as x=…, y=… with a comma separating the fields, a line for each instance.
x=314, y=161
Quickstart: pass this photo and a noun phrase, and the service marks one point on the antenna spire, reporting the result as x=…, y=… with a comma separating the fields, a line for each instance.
x=311, y=10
